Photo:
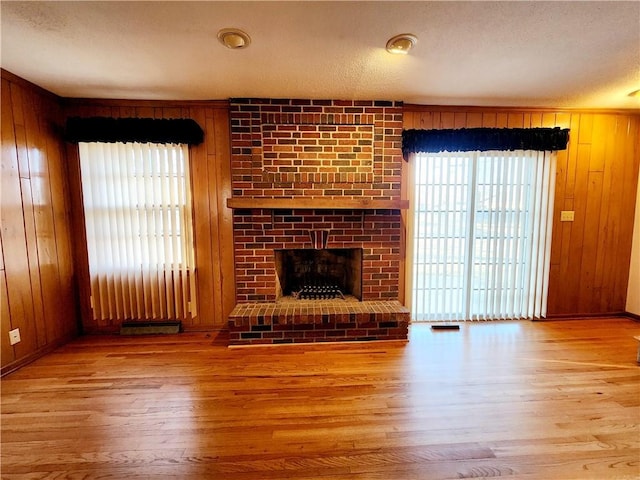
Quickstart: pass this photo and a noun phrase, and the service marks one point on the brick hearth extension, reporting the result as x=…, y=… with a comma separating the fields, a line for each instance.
x=317, y=321
x=303, y=165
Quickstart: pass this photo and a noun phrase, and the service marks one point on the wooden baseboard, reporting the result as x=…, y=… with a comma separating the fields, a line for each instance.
x=41, y=352
x=583, y=316
x=632, y=316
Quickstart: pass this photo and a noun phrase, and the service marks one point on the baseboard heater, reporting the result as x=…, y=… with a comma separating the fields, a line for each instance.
x=150, y=328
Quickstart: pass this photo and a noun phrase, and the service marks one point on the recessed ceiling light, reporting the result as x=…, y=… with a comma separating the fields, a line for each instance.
x=401, y=44
x=233, y=38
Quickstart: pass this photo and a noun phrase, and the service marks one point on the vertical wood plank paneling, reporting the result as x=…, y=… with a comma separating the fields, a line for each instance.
x=459, y=120
x=502, y=120
x=489, y=119
x=7, y=353
x=212, y=226
x=563, y=120
x=171, y=112
x=62, y=221
x=560, y=193
x=610, y=195
x=590, y=219
x=39, y=168
x=434, y=121
x=31, y=237
x=145, y=112
x=515, y=120
x=571, y=290
x=586, y=128
x=34, y=299
x=412, y=122
x=572, y=160
x=14, y=236
x=474, y=120
x=597, y=179
x=202, y=217
x=447, y=120
x=225, y=215
x=627, y=210
x=430, y=120
x=19, y=105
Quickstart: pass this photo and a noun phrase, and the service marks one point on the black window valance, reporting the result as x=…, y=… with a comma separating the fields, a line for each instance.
x=142, y=130
x=483, y=139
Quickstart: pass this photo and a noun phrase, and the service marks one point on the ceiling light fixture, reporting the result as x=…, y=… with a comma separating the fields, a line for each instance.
x=233, y=38
x=401, y=44
x=635, y=93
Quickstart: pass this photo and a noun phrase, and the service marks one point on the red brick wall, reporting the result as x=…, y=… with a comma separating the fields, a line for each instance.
x=316, y=149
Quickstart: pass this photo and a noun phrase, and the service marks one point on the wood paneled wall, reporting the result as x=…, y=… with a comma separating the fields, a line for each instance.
x=211, y=184
x=596, y=177
x=36, y=274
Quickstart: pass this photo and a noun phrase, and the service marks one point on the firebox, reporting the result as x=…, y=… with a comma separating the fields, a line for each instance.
x=310, y=274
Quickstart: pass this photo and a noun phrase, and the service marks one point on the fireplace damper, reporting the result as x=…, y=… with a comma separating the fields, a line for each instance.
x=319, y=274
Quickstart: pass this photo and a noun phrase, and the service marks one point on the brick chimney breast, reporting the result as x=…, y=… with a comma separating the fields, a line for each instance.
x=325, y=150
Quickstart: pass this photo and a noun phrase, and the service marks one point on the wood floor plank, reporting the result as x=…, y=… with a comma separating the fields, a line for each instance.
x=521, y=400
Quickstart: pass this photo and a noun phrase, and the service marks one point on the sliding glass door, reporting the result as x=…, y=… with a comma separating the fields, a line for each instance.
x=480, y=234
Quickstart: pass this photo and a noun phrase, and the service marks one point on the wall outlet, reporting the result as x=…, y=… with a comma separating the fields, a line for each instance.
x=14, y=336
x=567, y=215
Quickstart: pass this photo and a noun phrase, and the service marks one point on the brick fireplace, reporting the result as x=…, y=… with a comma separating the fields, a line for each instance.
x=304, y=169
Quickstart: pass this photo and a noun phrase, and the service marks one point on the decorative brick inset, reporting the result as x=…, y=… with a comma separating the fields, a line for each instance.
x=302, y=153
x=316, y=148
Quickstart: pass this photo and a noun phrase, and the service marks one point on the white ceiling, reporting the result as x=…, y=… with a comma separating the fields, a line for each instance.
x=528, y=53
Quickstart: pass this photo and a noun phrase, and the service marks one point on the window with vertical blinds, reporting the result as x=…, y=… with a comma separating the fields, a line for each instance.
x=480, y=234
x=137, y=206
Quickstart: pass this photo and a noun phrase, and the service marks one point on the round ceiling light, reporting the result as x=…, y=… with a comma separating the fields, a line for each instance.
x=233, y=38
x=401, y=44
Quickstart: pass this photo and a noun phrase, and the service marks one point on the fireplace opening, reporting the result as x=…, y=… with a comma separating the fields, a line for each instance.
x=326, y=274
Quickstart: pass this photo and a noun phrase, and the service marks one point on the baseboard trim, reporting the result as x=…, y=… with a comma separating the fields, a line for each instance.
x=582, y=316
x=633, y=316
x=33, y=356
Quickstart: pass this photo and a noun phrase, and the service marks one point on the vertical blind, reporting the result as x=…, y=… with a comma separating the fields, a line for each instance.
x=481, y=234
x=137, y=204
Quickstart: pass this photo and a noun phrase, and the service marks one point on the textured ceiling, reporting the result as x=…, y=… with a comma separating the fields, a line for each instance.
x=559, y=54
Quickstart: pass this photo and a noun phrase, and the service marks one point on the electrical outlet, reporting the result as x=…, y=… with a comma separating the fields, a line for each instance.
x=14, y=336
x=567, y=215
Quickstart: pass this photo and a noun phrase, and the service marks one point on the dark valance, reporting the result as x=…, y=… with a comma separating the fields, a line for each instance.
x=141, y=130
x=483, y=139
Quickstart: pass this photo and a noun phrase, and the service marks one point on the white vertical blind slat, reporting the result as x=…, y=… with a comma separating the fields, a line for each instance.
x=546, y=262
x=139, y=230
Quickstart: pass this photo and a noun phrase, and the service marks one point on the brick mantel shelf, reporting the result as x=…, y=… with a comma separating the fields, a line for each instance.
x=314, y=203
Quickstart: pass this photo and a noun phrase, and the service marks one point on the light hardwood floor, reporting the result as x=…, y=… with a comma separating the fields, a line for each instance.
x=521, y=400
